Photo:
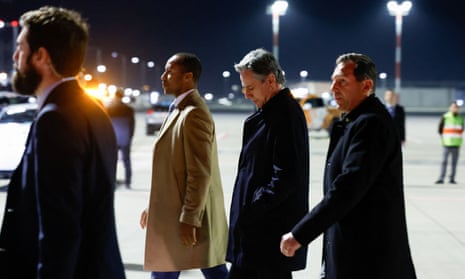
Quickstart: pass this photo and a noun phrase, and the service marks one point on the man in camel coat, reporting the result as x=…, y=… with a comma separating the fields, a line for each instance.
x=186, y=220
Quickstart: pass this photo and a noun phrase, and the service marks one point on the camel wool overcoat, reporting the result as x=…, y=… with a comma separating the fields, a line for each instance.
x=186, y=187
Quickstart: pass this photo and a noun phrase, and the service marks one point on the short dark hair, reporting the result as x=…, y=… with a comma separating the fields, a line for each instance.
x=62, y=32
x=261, y=63
x=119, y=93
x=364, y=66
x=190, y=63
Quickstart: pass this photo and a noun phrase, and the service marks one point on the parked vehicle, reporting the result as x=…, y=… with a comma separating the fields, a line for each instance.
x=157, y=113
x=10, y=98
x=319, y=113
x=15, y=122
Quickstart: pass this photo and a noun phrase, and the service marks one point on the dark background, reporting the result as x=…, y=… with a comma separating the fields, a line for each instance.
x=312, y=34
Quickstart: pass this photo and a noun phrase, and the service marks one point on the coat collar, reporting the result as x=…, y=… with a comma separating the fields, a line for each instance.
x=275, y=100
x=366, y=105
x=269, y=106
x=192, y=97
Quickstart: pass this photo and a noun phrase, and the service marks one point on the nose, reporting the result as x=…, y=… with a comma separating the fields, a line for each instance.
x=332, y=86
x=245, y=92
x=15, y=55
x=162, y=77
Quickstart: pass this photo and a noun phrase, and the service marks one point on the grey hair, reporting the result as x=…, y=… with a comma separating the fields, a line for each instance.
x=261, y=63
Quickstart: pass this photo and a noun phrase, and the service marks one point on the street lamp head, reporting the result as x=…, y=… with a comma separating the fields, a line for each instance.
x=279, y=7
x=395, y=9
x=135, y=60
x=101, y=68
x=226, y=74
x=303, y=74
x=150, y=64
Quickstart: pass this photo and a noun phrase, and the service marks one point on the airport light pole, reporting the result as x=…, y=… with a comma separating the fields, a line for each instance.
x=226, y=75
x=399, y=11
x=278, y=8
x=144, y=65
x=303, y=75
x=14, y=24
x=123, y=80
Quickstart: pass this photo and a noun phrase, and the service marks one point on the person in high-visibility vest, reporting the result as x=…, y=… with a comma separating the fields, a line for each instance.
x=450, y=129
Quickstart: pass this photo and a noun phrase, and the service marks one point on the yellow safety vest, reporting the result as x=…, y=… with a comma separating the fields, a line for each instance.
x=452, y=130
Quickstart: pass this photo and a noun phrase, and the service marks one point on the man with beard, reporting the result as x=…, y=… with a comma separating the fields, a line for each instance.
x=59, y=218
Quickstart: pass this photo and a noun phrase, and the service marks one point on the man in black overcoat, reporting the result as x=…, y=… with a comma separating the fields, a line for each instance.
x=362, y=213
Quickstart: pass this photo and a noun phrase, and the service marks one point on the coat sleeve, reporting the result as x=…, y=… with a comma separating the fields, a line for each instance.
x=350, y=173
x=288, y=169
x=58, y=166
x=441, y=125
x=402, y=123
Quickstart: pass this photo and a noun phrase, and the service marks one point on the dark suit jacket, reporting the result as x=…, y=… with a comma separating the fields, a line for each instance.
x=122, y=118
x=362, y=213
x=399, y=121
x=271, y=191
x=59, y=217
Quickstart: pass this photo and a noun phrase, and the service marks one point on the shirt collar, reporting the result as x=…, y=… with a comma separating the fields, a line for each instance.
x=41, y=99
x=181, y=97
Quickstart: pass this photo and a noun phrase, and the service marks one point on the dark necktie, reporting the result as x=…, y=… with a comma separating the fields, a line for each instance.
x=171, y=108
x=391, y=110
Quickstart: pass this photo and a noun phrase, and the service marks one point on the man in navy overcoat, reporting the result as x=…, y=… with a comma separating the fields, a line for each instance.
x=59, y=218
x=271, y=192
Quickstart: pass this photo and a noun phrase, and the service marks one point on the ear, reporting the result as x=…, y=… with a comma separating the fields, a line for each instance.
x=271, y=78
x=367, y=85
x=41, y=57
x=188, y=76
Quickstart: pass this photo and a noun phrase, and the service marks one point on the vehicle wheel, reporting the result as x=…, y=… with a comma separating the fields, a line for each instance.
x=149, y=131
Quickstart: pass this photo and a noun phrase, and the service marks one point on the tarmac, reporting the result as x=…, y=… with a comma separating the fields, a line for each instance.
x=435, y=213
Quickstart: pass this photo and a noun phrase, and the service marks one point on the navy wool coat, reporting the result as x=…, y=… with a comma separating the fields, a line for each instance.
x=59, y=219
x=271, y=191
x=362, y=213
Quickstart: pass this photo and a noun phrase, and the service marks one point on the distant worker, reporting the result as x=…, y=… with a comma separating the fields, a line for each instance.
x=122, y=118
x=396, y=111
x=450, y=129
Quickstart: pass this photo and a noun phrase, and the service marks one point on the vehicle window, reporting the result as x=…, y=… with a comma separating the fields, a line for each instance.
x=160, y=107
x=18, y=117
x=5, y=100
x=315, y=102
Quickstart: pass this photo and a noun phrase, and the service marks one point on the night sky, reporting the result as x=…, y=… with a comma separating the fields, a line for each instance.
x=312, y=34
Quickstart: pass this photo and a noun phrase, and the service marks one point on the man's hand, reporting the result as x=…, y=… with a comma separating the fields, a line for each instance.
x=188, y=234
x=289, y=245
x=143, y=219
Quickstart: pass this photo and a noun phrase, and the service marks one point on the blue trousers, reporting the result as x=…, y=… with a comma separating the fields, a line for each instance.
x=247, y=273
x=453, y=151
x=216, y=272
x=125, y=151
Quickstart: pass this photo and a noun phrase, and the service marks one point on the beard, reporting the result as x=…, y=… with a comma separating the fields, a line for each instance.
x=26, y=83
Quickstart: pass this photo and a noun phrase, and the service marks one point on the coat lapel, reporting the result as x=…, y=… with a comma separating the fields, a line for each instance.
x=169, y=120
x=173, y=116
